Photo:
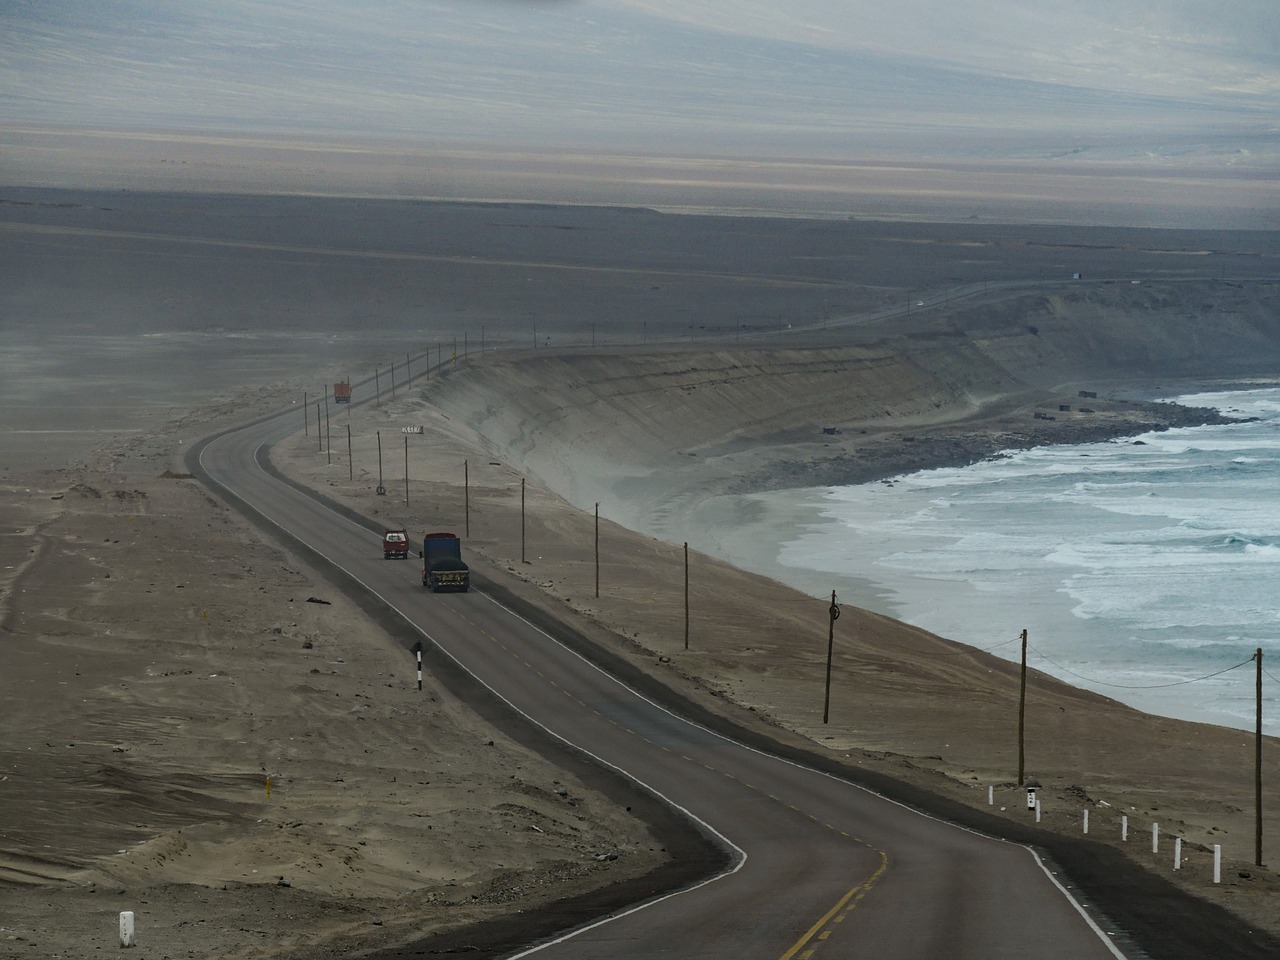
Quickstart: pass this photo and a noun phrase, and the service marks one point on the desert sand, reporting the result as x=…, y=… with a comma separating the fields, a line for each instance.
x=189, y=735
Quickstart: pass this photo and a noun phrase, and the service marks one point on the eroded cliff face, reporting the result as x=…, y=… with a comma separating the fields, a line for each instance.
x=636, y=428
x=1131, y=331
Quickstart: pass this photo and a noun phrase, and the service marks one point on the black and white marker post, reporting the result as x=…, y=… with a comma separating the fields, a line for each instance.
x=417, y=652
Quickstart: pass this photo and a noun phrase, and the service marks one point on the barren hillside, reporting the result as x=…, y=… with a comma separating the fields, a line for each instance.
x=635, y=430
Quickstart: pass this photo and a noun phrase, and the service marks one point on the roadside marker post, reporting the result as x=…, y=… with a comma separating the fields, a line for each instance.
x=417, y=652
x=126, y=929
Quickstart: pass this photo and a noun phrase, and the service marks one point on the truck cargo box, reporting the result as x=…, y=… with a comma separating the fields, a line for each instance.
x=442, y=564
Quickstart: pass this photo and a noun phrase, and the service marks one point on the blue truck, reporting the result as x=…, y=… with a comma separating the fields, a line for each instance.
x=442, y=564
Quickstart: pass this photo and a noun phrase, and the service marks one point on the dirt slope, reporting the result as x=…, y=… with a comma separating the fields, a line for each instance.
x=636, y=431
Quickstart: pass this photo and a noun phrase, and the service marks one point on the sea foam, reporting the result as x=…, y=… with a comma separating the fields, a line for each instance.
x=1134, y=565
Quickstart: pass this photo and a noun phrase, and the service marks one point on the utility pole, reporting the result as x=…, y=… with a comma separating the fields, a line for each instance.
x=351, y=466
x=306, y=417
x=833, y=615
x=466, y=499
x=319, y=432
x=1257, y=769
x=406, y=470
x=377, y=388
x=328, y=437
x=597, y=549
x=1022, y=714
x=522, y=559
x=381, y=488
x=686, y=594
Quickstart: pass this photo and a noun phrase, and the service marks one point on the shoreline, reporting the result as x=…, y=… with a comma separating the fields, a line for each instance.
x=751, y=671
x=114, y=601
x=896, y=686
x=728, y=525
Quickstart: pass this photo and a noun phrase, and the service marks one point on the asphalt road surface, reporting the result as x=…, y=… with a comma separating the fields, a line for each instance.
x=816, y=866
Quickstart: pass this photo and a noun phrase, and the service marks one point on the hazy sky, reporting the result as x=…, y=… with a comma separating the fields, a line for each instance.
x=1185, y=81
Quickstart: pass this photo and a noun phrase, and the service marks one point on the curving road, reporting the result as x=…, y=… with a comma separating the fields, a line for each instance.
x=818, y=867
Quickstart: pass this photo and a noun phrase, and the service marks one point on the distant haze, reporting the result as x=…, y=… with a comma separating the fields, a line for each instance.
x=1175, y=84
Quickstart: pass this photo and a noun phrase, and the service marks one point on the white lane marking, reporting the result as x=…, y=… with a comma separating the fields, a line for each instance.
x=1079, y=908
x=740, y=855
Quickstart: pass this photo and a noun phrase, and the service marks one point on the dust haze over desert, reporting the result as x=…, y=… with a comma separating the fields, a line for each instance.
x=654, y=247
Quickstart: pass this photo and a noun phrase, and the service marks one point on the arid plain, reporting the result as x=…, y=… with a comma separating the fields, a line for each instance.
x=186, y=736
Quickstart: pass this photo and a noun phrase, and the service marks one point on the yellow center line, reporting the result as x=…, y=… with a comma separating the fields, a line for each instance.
x=836, y=914
x=813, y=931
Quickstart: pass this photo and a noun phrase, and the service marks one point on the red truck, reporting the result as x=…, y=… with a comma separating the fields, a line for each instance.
x=395, y=545
x=342, y=393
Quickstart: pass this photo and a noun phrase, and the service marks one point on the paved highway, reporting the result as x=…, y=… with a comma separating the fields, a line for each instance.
x=818, y=867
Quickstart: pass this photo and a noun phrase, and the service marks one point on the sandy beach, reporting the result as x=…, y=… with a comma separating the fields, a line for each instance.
x=191, y=736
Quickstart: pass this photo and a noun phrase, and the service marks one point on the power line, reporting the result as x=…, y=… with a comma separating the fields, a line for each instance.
x=966, y=649
x=1139, y=686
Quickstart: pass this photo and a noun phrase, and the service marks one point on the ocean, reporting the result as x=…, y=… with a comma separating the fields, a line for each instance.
x=1146, y=569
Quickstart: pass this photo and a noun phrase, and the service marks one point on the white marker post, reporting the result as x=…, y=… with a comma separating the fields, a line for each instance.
x=991, y=796
x=1086, y=821
x=1037, y=811
x=1217, y=863
x=1177, y=853
x=1155, y=838
x=1124, y=827
x=417, y=652
x=126, y=928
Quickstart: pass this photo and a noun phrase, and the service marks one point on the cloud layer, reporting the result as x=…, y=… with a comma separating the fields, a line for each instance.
x=1172, y=79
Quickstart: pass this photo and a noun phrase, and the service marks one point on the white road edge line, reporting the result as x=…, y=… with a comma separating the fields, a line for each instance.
x=740, y=855
x=1079, y=907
